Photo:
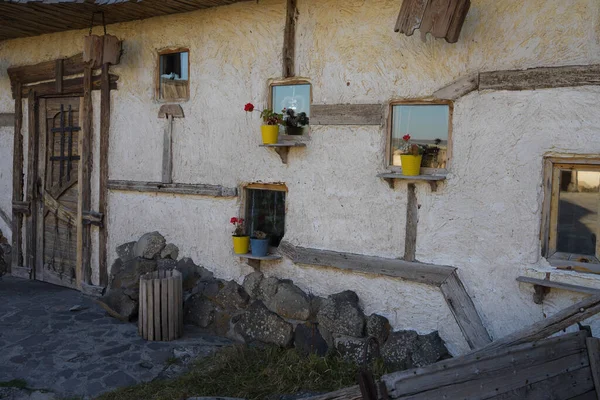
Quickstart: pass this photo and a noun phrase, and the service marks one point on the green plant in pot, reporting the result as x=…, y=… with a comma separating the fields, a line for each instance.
x=294, y=122
x=259, y=244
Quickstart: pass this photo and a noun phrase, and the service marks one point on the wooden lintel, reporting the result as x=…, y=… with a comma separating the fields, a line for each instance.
x=547, y=283
x=346, y=114
x=45, y=71
x=173, y=188
x=429, y=274
x=69, y=86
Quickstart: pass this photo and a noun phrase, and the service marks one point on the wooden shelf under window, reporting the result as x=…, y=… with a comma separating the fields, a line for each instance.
x=285, y=143
x=254, y=261
x=391, y=177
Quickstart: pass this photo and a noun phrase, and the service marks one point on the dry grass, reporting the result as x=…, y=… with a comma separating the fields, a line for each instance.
x=250, y=373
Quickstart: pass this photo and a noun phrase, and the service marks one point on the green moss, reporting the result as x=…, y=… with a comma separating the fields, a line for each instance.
x=15, y=383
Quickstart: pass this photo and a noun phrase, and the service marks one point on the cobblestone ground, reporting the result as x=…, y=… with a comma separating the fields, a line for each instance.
x=83, y=353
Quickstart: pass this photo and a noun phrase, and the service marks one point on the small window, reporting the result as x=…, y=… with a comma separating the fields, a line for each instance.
x=427, y=124
x=572, y=222
x=173, y=82
x=295, y=97
x=265, y=211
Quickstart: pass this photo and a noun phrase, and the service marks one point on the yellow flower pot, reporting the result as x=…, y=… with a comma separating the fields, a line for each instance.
x=270, y=133
x=411, y=165
x=241, y=244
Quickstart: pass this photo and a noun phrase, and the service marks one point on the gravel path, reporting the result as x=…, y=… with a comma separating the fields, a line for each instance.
x=80, y=353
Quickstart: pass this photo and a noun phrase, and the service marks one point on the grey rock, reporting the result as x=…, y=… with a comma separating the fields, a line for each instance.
x=119, y=379
x=200, y=311
x=170, y=251
x=355, y=349
x=150, y=245
x=119, y=304
x=77, y=307
x=340, y=314
x=125, y=252
x=315, y=306
x=308, y=339
x=146, y=365
x=192, y=273
x=431, y=348
x=258, y=324
x=167, y=264
x=252, y=284
x=290, y=302
x=378, y=327
x=232, y=296
x=211, y=289
x=127, y=276
x=398, y=349
x=267, y=288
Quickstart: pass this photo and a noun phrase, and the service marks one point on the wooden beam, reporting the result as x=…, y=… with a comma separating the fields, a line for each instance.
x=464, y=311
x=7, y=119
x=17, y=193
x=41, y=189
x=6, y=219
x=458, y=88
x=540, y=78
x=593, y=347
x=103, y=186
x=167, y=157
x=45, y=71
x=289, y=40
x=69, y=86
x=411, y=271
x=59, y=76
x=346, y=114
x=31, y=197
x=410, y=16
x=412, y=219
x=173, y=188
x=557, y=285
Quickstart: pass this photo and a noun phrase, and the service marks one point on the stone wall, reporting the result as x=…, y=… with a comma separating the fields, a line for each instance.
x=267, y=310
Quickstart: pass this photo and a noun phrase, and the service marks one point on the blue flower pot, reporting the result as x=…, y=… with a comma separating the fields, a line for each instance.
x=259, y=247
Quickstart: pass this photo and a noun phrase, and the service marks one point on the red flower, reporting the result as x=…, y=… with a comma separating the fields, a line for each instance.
x=406, y=138
x=249, y=107
x=233, y=220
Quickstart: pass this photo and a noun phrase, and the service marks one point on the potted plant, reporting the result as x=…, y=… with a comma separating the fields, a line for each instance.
x=271, y=122
x=411, y=157
x=294, y=123
x=241, y=241
x=259, y=244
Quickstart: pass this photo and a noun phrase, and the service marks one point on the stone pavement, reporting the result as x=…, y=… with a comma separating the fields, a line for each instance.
x=83, y=353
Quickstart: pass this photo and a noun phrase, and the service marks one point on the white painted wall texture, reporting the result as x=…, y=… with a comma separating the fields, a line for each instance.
x=484, y=220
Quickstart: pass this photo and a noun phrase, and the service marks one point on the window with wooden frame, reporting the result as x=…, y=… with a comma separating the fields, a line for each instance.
x=429, y=123
x=571, y=223
x=292, y=94
x=265, y=210
x=173, y=80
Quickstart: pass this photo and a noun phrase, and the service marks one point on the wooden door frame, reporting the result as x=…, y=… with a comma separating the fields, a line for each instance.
x=49, y=79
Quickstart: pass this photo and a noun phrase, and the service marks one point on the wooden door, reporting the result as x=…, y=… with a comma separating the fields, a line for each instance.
x=59, y=130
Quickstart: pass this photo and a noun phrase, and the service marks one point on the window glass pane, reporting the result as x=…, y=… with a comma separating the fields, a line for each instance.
x=296, y=97
x=174, y=75
x=426, y=125
x=579, y=199
x=266, y=212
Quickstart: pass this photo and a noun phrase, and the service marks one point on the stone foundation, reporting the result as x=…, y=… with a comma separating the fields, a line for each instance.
x=267, y=310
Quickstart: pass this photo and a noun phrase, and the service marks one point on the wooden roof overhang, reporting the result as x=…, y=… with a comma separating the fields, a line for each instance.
x=23, y=18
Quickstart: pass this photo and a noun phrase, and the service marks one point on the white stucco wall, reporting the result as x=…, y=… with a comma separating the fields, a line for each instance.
x=6, y=150
x=484, y=220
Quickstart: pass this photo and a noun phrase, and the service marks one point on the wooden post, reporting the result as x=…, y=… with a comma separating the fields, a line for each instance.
x=167, y=161
x=59, y=75
x=412, y=217
x=17, y=195
x=84, y=272
x=41, y=172
x=289, y=39
x=103, y=189
x=32, y=155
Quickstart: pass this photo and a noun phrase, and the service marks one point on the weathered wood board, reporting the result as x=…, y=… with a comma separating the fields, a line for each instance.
x=346, y=114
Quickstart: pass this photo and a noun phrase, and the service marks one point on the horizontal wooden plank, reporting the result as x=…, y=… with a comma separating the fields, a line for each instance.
x=70, y=86
x=411, y=271
x=458, y=88
x=199, y=189
x=346, y=114
x=558, y=285
x=7, y=119
x=398, y=175
x=46, y=70
x=539, y=78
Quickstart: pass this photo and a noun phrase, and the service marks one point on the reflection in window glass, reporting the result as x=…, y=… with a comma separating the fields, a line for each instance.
x=265, y=211
x=579, y=199
x=296, y=97
x=427, y=124
x=174, y=76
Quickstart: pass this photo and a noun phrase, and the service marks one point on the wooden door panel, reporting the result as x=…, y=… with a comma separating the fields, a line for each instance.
x=60, y=191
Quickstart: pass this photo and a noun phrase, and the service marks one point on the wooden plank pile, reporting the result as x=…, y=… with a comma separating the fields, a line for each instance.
x=523, y=365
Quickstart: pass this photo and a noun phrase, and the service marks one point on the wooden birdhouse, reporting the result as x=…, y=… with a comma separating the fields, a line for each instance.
x=442, y=18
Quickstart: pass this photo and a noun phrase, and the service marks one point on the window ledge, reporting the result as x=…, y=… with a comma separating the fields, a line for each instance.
x=254, y=261
x=285, y=142
x=545, y=278
x=433, y=180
